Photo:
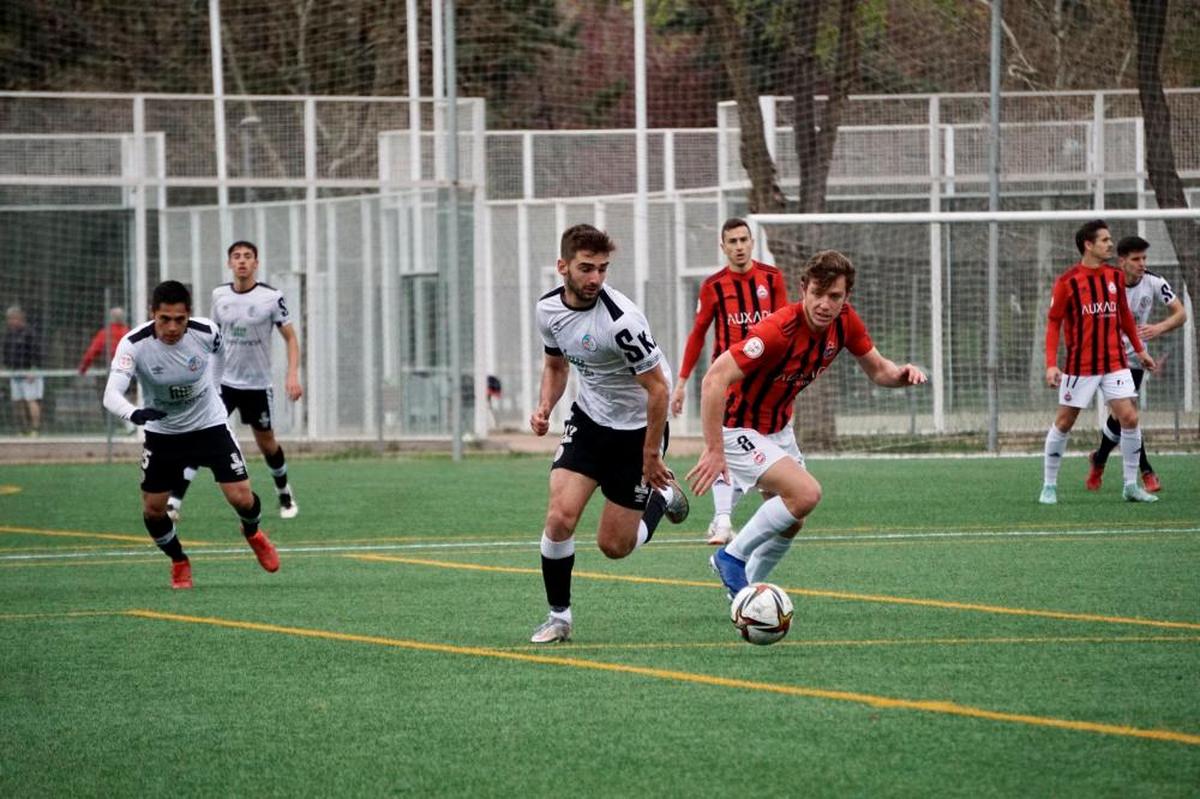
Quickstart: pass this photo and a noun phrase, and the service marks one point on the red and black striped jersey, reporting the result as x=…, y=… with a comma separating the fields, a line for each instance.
x=736, y=302
x=780, y=357
x=1090, y=306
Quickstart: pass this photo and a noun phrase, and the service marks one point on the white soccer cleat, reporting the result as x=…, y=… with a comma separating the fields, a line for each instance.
x=720, y=530
x=1049, y=495
x=677, y=508
x=1135, y=493
x=287, y=504
x=552, y=631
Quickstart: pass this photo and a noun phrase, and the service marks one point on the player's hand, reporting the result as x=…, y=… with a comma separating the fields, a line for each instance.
x=654, y=469
x=1148, y=363
x=706, y=471
x=143, y=415
x=677, y=396
x=294, y=390
x=1053, y=376
x=1147, y=332
x=911, y=375
x=539, y=421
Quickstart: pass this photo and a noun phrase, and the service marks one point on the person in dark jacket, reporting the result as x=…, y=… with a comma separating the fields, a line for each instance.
x=23, y=354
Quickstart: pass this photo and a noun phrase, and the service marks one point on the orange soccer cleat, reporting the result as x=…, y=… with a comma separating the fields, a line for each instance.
x=264, y=550
x=1151, y=482
x=1095, y=473
x=181, y=574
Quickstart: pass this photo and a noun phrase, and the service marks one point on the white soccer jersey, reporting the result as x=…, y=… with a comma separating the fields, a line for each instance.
x=1141, y=298
x=246, y=319
x=608, y=344
x=175, y=378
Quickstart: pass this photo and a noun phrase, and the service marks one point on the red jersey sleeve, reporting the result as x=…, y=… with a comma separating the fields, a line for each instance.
x=1058, y=309
x=706, y=307
x=765, y=344
x=858, y=340
x=92, y=351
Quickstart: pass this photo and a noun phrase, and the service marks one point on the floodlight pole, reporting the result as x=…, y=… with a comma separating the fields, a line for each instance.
x=641, y=212
x=993, y=337
x=453, y=290
x=218, y=83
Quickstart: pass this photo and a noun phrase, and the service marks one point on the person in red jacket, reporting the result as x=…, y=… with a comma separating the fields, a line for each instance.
x=105, y=340
x=736, y=298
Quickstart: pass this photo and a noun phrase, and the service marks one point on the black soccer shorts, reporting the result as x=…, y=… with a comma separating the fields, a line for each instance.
x=613, y=458
x=254, y=405
x=165, y=455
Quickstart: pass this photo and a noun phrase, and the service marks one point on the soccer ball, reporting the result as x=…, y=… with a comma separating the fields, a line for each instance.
x=762, y=612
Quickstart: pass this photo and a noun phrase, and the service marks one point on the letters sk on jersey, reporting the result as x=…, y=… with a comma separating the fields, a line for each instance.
x=1091, y=307
x=780, y=357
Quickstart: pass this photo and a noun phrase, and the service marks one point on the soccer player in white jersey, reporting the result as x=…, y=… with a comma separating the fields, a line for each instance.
x=246, y=312
x=616, y=435
x=1142, y=289
x=177, y=360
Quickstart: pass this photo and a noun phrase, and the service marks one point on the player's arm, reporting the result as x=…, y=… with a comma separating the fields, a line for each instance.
x=1054, y=318
x=555, y=371
x=92, y=351
x=723, y=373
x=706, y=309
x=119, y=378
x=654, y=469
x=292, y=382
x=1176, y=319
x=886, y=373
x=1129, y=327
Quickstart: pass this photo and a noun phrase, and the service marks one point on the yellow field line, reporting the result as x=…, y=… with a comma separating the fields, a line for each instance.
x=140, y=539
x=814, y=643
x=67, y=614
x=879, y=598
x=926, y=706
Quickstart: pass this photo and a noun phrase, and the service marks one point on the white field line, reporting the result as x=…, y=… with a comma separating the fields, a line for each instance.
x=533, y=544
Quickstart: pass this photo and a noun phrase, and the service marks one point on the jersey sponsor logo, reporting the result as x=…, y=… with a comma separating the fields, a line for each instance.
x=589, y=342
x=747, y=317
x=1094, y=308
x=753, y=348
x=762, y=292
x=179, y=392
x=194, y=364
x=579, y=363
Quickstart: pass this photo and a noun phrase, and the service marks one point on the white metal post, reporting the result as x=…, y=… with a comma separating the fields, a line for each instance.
x=1098, y=165
x=525, y=289
x=766, y=105
x=1139, y=165
x=160, y=172
x=937, y=371
x=218, y=82
x=140, y=262
x=641, y=211
x=331, y=385
x=196, y=253
x=370, y=377
x=312, y=293
x=484, y=326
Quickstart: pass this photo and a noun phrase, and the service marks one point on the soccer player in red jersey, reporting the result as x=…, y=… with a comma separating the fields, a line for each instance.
x=1090, y=305
x=746, y=410
x=736, y=298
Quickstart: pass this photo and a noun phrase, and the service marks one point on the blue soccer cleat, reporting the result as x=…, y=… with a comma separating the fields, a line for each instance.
x=731, y=570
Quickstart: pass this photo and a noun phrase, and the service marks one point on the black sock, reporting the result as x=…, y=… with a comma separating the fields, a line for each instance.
x=556, y=574
x=162, y=530
x=250, y=518
x=656, y=506
x=1143, y=461
x=278, y=466
x=181, y=486
x=1107, y=445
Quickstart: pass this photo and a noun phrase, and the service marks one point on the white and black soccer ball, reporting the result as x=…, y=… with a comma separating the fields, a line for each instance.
x=762, y=613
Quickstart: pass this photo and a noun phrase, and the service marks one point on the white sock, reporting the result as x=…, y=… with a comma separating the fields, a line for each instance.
x=565, y=615
x=174, y=502
x=766, y=558
x=668, y=493
x=1056, y=445
x=1131, y=445
x=189, y=473
x=771, y=517
x=557, y=550
x=722, y=498
x=642, y=534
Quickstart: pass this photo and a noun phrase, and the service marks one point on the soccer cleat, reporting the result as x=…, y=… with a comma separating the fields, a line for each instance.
x=1049, y=495
x=1151, y=482
x=1095, y=473
x=552, y=631
x=287, y=506
x=720, y=530
x=731, y=570
x=677, y=508
x=1134, y=493
x=181, y=574
x=264, y=550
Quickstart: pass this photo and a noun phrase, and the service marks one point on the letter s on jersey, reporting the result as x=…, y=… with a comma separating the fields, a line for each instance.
x=633, y=352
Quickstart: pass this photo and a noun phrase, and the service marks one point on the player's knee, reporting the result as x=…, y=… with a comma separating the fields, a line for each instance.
x=560, y=524
x=614, y=548
x=240, y=497
x=803, y=498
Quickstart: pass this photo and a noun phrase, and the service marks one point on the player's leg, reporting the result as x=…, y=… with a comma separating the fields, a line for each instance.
x=1126, y=411
x=222, y=454
x=1074, y=393
x=569, y=495
x=257, y=411
x=1110, y=437
x=720, y=529
x=1149, y=478
x=179, y=491
x=160, y=464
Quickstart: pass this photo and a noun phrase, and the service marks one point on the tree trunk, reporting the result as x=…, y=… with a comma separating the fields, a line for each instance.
x=1149, y=18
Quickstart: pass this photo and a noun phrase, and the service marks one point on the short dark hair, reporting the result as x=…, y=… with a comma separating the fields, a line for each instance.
x=824, y=268
x=1131, y=244
x=732, y=223
x=1088, y=232
x=247, y=244
x=584, y=237
x=170, y=292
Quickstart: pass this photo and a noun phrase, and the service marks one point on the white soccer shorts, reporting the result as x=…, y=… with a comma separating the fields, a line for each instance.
x=1077, y=392
x=749, y=453
x=28, y=389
